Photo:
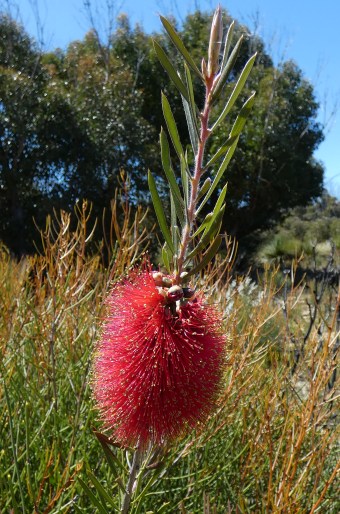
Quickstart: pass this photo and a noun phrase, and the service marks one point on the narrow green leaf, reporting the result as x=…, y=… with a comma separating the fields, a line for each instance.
x=170, y=69
x=242, y=117
x=203, y=225
x=166, y=258
x=164, y=508
x=180, y=45
x=111, y=458
x=227, y=69
x=221, y=151
x=193, y=107
x=236, y=91
x=170, y=175
x=208, y=256
x=171, y=124
x=219, y=174
x=235, y=131
x=227, y=44
x=212, y=224
x=204, y=188
x=159, y=211
x=105, y=496
x=220, y=200
x=191, y=125
x=101, y=508
x=211, y=230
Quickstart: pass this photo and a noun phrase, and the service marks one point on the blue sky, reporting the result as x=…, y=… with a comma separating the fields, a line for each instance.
x=304, y=30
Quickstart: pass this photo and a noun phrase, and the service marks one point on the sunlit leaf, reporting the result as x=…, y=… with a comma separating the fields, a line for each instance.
x=242, y=117
x=180, y=45
x=203, y=224
x=211, y=229
x=236, y=91
x=204, y=188
x=207, y=257
x=219, y=174
x=235, y=131
x=226, y=69
x=221, y=151
x=171, y=124
x=166, y=257
x=169, y=68
x=193, y=108
x=170, y=175
x=159, y=211
x=227, y=44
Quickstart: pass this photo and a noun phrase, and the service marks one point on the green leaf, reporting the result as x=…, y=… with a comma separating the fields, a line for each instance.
x=207, y=257
x=111, y=458
x=236, y=91
x=77, y=509
x=191, y=125
x=159, y=211
x=227, y=44
x=211, y=229
x=170, y=69
x=235, y=131
x=212, y=225
x=219, y=174
x=204, y=188
x=185, y=180
x=171, y=124
x=105, y=496
x=170, y=175
x=193, y=110
x=203, y=225
x=166, y=257
x=221, y=151
x=180, y=45
x=164, y=508
x=101, y=508
x=226, y=70
x=242, y=117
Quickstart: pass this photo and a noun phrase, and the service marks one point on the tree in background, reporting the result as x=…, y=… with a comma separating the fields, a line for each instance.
x=70, y=121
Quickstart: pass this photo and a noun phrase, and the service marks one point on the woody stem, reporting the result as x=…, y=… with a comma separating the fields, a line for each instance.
x=130, y=486
x=195, y=180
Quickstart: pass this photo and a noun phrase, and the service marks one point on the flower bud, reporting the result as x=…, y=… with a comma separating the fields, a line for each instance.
x=166, y=282
x=215, y=42
x=158, y=277
x=188, y=292
x=175, y=293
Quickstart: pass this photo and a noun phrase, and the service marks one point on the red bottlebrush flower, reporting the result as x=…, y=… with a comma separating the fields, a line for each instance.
x=156, y=371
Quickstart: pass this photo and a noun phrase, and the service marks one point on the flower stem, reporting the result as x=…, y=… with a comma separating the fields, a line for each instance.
x=195, y=180
x=131, y=483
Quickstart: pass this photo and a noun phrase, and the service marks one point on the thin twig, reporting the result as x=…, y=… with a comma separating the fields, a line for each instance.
x=137, y=458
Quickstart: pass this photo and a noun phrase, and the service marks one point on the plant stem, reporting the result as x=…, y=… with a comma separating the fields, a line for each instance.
x=130, y=486
x=195, y=180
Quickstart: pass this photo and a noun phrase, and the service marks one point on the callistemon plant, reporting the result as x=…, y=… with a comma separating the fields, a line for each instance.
x=158, y=366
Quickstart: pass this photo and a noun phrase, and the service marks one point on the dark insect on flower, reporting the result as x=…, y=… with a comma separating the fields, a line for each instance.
x=156, y=373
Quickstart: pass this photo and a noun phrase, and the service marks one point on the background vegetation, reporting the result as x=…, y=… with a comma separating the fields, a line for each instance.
x=71, y=120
